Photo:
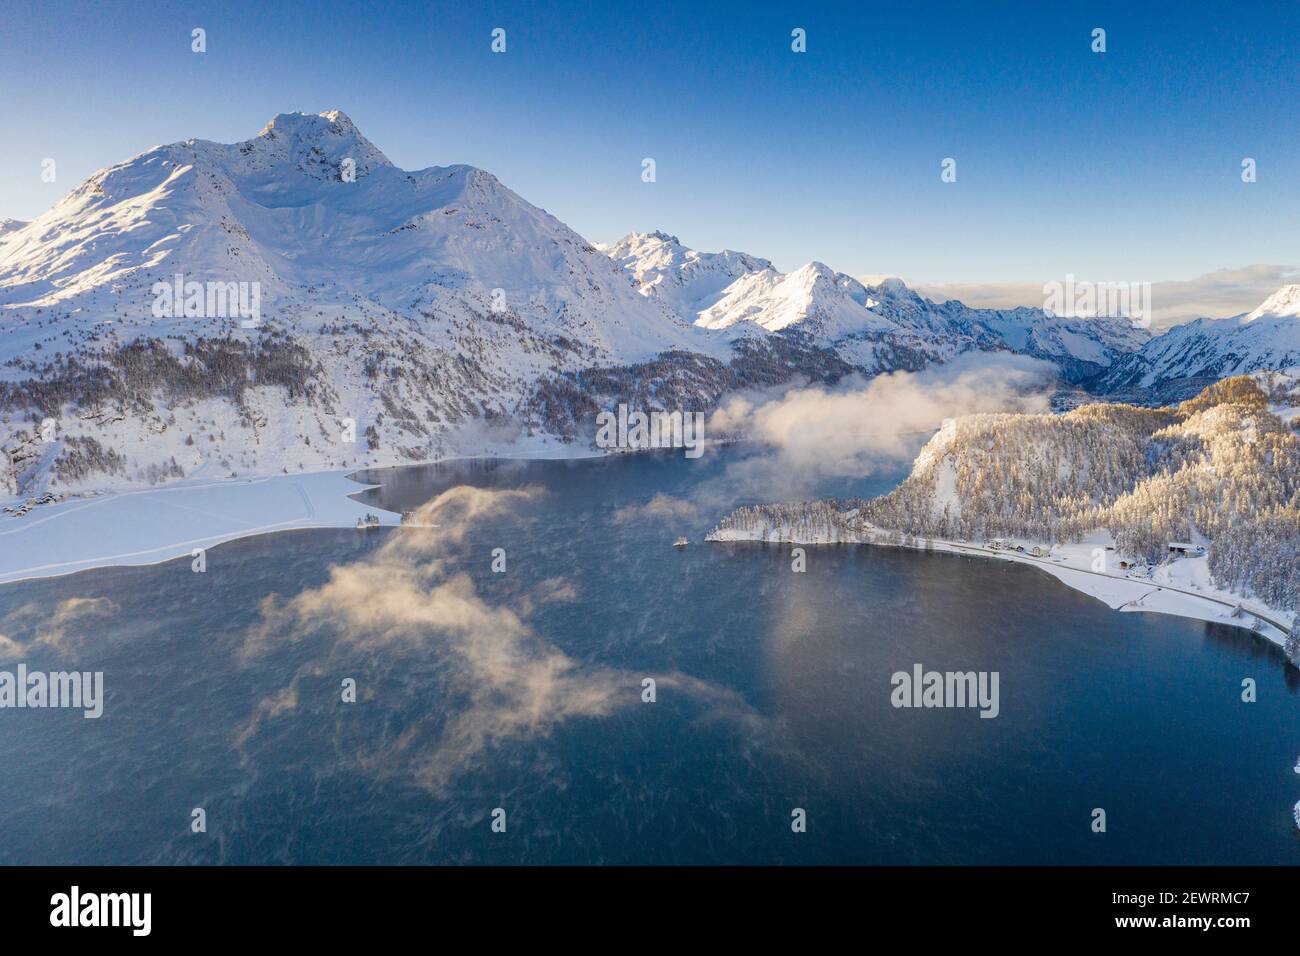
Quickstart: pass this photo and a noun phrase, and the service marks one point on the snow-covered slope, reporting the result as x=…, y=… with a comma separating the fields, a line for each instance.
x=278, y=209
x=686, y=280
x=1077, y=344
x=1188, y=357
x=1220, y=471
x=828, y=304
x=400, y=308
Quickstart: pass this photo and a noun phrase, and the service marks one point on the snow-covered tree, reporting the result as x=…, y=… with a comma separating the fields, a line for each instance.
x=1219, y=466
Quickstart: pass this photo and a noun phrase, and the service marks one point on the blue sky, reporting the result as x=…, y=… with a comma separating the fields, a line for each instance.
x=1115, y=166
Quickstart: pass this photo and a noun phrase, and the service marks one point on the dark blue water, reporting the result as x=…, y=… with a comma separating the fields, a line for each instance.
x=773, y=694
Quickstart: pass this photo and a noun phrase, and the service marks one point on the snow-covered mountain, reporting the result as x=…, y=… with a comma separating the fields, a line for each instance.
x=874, y=327
x=831, y=305
x=401, y=307
x=1079, y=346
x=296, y=302
x=686, y=280
x=278, y=209
x=1188, y=357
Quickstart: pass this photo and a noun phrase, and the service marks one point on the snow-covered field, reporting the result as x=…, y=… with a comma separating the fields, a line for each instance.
x=1181, y=587
x=158, y=524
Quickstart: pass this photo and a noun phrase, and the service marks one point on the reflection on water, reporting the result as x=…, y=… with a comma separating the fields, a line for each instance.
x=523, y=690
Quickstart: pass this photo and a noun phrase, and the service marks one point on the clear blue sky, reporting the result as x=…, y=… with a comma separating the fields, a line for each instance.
x=1117, y=166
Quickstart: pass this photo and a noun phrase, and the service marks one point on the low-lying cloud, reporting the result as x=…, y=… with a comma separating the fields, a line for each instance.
x=660, y=507
x=1215, y=295
x=860, y=427
x=62, y=629
x=505, y=682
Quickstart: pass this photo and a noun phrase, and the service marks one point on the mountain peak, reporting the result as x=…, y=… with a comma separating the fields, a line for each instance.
x=815, y=268
x=1285, y=301
x=643, y=241
x=890, y=285
x=298, y=124
x=331, y=133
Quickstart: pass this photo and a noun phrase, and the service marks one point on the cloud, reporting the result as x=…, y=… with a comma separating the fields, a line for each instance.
x=476, y=434
x=551, y=591
x=1219, y=294
x=450, y=515
x=282, y=702
x=505, y=682
x=62, y=629
x=661, y=506
x=394, y=594
x=860, y=427
x=554, y=590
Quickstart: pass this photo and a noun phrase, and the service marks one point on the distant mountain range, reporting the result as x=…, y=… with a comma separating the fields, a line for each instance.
x=404, y=316
x=868, y=326
x=1186, y=358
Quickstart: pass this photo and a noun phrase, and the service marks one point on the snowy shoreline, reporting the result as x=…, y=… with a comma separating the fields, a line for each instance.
x=152, y=525
x=158, y=523
x=1180, y=588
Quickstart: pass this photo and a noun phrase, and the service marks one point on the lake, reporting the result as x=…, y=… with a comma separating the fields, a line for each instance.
x=772, y=695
